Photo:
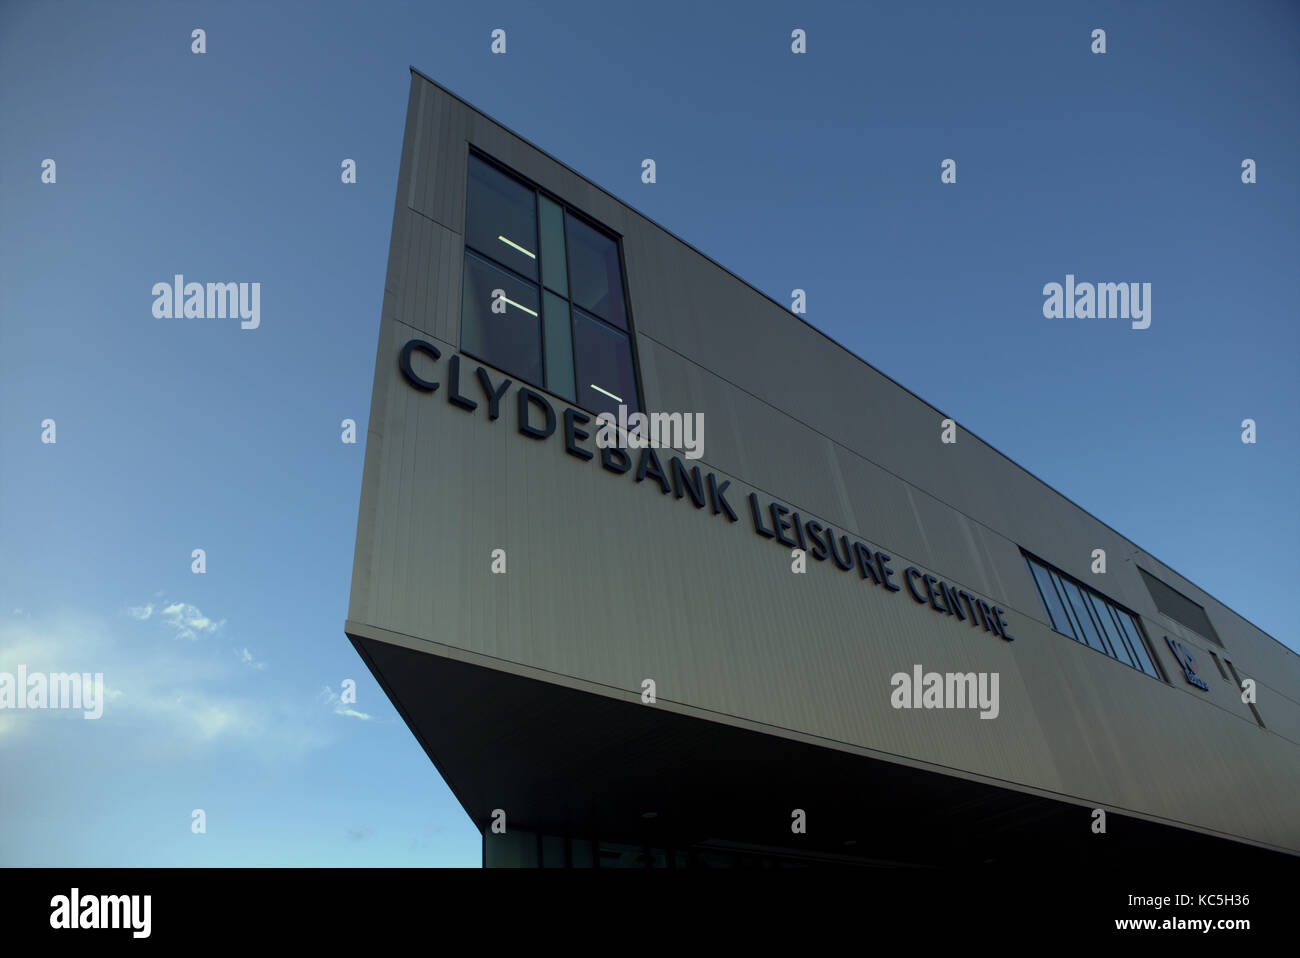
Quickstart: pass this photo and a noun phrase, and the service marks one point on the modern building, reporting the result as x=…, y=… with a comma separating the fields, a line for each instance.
x=606, y=648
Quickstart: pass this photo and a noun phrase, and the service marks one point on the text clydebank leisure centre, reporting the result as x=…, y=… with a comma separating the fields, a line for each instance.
x=774, y=521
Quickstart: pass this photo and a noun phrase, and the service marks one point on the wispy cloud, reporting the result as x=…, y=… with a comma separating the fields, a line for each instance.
x=246, y=657
x=161, y=700
x=335, y=702
x=140, y=612
x=188, y=621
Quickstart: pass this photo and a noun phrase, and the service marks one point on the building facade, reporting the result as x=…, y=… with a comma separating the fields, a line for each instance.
x=601, y=635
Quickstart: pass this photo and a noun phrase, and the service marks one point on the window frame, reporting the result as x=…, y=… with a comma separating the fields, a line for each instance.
x=478, y=153
x=1209, y=632
x=1092, y=597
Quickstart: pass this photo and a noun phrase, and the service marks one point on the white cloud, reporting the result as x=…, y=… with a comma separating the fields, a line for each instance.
x=246, y=657
x=188, y=621
x=335, y=702
x=140, y=612
x=161, y=701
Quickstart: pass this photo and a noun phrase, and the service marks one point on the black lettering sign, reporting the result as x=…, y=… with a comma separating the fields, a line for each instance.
x=810, y=535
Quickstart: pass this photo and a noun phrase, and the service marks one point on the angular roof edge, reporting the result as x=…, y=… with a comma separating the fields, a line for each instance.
x=424, y=76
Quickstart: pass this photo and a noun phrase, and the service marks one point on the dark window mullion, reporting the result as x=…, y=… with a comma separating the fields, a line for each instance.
x=1140, y=641
x=1090, y=601
x=541, y=284
x=1075, y=627
x=627, y=311
x=1058, y=618
x=501, y=266
x=1063, y=626
x=568, y=282
x=1063, y=586
x=1125, y=648
x=618, y=329
x=1119, y=629
x=1087, y=626
x=1038, y=587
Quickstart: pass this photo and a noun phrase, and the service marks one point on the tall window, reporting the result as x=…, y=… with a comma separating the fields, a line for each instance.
x=1089, y=617
x=543, y=293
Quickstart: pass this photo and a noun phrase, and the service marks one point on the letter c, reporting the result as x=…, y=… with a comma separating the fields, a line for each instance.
x=430, y=350
x=912, y=572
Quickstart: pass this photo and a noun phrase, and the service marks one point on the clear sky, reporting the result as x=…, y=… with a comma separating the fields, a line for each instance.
x=819, y=171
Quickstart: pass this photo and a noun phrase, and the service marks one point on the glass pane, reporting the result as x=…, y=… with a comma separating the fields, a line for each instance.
x=501, y=218
x=1055, y=611
x=510, y=849
x=1134, y=634
x=1119, y=648
x=555, y=268
x=603, y=357
x=581, y=849
x=1089, y=602
x=594, y=273
x=553, y=854
x=1116, y=615
x=714, y=860
x=1059, y=586
x=559, y=345
x=1087, y=628
x=618, y=855
x=654, y=858
x=511, y=338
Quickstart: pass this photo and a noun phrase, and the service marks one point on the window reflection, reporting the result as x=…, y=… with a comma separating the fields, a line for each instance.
x=603, y=360
x=560, y=319
x=501, y=218
x=594, y=272
x=504, y=330
x=1085, y=614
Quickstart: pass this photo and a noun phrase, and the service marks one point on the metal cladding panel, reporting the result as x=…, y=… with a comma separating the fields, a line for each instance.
x=1283, y=713
x=438, y=131
x=880, y=504
x=428, y=300
x=610, y=582
x=675, y=383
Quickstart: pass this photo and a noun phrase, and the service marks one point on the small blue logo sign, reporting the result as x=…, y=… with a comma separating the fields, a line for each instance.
x=1188, y=662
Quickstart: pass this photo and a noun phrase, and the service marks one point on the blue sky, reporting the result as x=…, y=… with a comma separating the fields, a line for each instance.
x=818, y=171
